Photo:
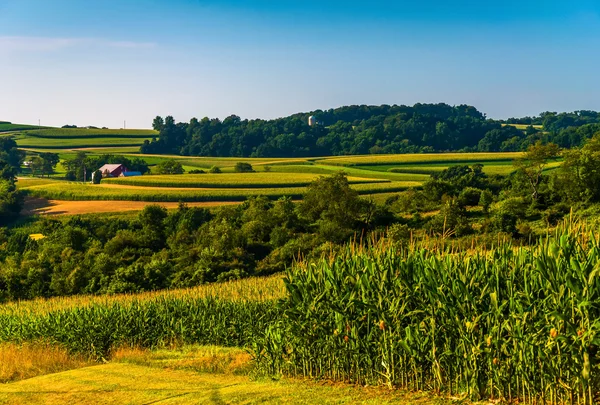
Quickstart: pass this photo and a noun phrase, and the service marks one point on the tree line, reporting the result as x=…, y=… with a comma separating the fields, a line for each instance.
x=422, y=128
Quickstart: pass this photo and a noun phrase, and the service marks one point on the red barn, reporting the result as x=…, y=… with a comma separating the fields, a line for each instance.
x=114, y=170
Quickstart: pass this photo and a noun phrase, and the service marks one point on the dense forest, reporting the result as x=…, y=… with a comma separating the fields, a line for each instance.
x=366, y=129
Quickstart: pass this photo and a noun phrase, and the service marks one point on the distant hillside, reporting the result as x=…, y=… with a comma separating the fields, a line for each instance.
x=6, y=126
x=362, y=129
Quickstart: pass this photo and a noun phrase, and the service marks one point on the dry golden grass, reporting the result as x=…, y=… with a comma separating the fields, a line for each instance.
x=205, y=359
x=19, y=362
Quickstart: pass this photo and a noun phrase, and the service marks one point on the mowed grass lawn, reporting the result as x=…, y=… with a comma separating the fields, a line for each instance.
x=197, y=375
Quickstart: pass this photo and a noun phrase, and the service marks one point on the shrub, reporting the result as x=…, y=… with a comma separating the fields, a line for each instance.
x=469, y=197
x=169, y=167
x=214, y=170
x=241, y=167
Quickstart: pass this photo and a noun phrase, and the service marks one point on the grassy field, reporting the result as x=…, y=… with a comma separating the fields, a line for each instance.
x=229, y=180
x=28, y=142
x=421, y=158
x=524, y=126
x=5, y=127
x=55, y=139
x=78, y=133
x=196, y=375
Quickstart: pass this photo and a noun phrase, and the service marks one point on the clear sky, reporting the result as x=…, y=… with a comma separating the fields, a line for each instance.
x=100, y=62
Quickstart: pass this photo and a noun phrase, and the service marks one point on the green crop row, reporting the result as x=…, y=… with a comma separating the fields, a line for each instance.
x=411, y=159
x=60, y=190
x=229, y=180
x=74, y=133
x=516, y=324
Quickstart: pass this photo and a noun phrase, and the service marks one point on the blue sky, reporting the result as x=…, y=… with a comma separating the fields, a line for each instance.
x=100, y=62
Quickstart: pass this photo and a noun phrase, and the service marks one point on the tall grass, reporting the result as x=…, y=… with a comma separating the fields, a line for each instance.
x=509, y=323
x=19, y=362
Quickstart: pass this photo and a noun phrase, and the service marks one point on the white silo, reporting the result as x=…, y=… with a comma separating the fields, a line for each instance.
x=312, y=121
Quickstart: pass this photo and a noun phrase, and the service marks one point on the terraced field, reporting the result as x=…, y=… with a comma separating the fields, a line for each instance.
x=228, y=180
x=74, y=138
x=421, y=158
x=9, y=127
x=60, y=190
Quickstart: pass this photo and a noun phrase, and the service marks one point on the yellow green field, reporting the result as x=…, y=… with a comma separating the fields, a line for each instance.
x=196, y=375
x=229, y=180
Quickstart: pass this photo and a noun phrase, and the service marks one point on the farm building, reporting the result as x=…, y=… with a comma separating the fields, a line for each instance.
x=130, y=174
x=117, y=170
x=113, y=170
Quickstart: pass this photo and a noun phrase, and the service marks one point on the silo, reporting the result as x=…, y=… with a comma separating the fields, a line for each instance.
x=312, y=121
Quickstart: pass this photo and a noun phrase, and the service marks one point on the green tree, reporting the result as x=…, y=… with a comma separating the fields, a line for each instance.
x=49, y=162
x=169, y=167
x=241, y=167
x=158, y=123
x=485, y=200
x=533, y=162
x=579, y=176
x=333, y=206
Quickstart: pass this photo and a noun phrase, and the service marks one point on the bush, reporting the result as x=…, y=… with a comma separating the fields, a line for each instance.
x=197, y=171
x=214, y=170
x=169, y=167
x=241, y=167
x=399, y=233
x=469, y=197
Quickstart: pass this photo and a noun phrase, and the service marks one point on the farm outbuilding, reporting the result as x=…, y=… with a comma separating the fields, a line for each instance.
x=130, y=174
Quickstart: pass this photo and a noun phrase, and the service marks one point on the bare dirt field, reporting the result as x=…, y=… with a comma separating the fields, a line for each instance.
x=40, y=206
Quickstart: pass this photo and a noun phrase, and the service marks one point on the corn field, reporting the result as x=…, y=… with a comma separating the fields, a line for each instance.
x=516, y=324
x=226, y=314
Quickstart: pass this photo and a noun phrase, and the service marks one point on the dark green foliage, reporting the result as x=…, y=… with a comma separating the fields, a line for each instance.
x=241, y=167
x=183, y=248
x=11, y=200
x=169, y=167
